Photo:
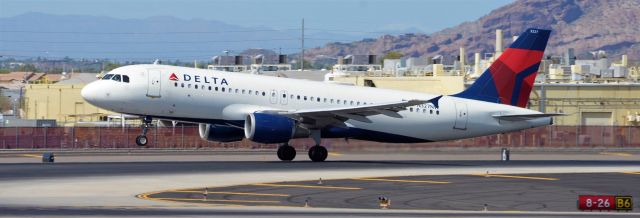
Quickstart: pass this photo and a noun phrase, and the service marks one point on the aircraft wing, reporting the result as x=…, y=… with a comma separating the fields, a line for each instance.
x=518, y=117
x=337, y=116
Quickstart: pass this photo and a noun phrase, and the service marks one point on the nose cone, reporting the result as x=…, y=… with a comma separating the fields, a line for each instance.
x=89, y=92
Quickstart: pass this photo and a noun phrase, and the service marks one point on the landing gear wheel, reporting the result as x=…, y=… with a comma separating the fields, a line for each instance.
x=286, y=152
x=318, y=153
x=141, y=140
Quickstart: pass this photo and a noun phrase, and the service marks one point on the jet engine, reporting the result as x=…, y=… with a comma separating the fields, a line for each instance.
x=270, y=128
x=220, y=133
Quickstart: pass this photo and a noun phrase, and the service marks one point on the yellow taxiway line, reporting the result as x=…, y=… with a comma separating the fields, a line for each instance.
x=214, y=200
x=235, y=193
x=31, y=155
x=516, y=177
x=636, y=173
x=403, y=180
x=335, y=154
x=306, y=186
x=622, y=154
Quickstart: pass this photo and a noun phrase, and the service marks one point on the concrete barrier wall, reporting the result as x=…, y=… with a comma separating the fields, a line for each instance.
x=187, y=138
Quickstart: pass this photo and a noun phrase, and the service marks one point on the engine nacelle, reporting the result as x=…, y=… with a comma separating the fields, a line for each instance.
x=220, y=133
x=269, y=128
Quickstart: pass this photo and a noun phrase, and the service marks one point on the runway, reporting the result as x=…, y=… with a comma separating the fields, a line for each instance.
x=249, y=186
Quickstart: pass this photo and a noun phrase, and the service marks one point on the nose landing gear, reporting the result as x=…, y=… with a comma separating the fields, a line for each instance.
x=141, y=140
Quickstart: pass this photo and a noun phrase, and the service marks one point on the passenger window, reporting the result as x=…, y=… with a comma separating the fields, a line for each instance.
x=223, y=89
x=332, y=101
x=125, y=78
x=107, y=77
x=250, y=92
x=216, y=88
x=263, y=93
x=318, y=99
x=209, y=88
x=298, y=97
x=116, y=78
x=182, y=85
x=196, y=86
x=175, y=84
x=243, y=91
x=305, y=98
x=437, y=112
x=430, y=111
x=410, y=109
x=189, y=86
x=311, y=98
x=284, y=95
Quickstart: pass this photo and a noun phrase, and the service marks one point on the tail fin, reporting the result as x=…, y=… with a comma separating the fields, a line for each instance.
x=510, y=78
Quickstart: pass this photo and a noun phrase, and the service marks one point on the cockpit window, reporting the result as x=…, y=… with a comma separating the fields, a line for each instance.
x=107, y=77
x=116, y=77
x=125, y=78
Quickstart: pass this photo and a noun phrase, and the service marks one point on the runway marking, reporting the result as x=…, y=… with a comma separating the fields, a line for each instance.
x=335, y=154
x=31, y=155
x=622, y=154
x=235, y=193
x=216, y=200
x=145, y=196
x=403, y=180
x=636, y=173
x=307, y=186
x=516, y=177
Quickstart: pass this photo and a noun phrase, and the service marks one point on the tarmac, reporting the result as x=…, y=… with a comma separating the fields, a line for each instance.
x=255, y=184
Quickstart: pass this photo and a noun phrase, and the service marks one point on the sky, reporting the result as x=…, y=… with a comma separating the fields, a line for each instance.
x=360, y=15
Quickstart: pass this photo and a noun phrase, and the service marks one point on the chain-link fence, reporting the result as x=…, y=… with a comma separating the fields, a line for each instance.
x=187, y=138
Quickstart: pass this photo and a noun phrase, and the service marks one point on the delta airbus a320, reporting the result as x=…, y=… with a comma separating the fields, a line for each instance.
x=233, y=106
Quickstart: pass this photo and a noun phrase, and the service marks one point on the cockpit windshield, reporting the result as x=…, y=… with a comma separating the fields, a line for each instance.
x=116, y=78
x=107, y=77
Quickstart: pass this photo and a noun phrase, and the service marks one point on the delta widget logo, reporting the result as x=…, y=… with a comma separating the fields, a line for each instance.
x=173, y=77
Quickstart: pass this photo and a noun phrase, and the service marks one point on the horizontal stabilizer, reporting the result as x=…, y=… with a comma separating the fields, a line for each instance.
x=518, y=117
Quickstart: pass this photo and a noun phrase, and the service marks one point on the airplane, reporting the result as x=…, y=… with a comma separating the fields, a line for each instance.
x=232, y=106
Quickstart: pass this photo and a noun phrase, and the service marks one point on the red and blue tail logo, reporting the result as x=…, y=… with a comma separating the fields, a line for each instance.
x=510, y=78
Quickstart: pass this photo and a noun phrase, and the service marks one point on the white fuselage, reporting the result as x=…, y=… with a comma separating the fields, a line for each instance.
x=151, y=92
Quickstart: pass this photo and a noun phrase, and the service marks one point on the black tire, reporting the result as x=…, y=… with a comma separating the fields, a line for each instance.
x=318, y=153
x=286, y=153
x=141, y=140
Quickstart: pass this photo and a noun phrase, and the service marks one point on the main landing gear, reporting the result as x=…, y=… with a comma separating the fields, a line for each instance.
x=317, y=153
x=141, y=140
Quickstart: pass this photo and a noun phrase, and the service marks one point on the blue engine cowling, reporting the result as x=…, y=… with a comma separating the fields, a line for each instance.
x=269, y=128
x=220, y=133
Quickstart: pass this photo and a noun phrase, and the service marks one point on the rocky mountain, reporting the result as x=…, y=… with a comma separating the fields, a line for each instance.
x=585, y=25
